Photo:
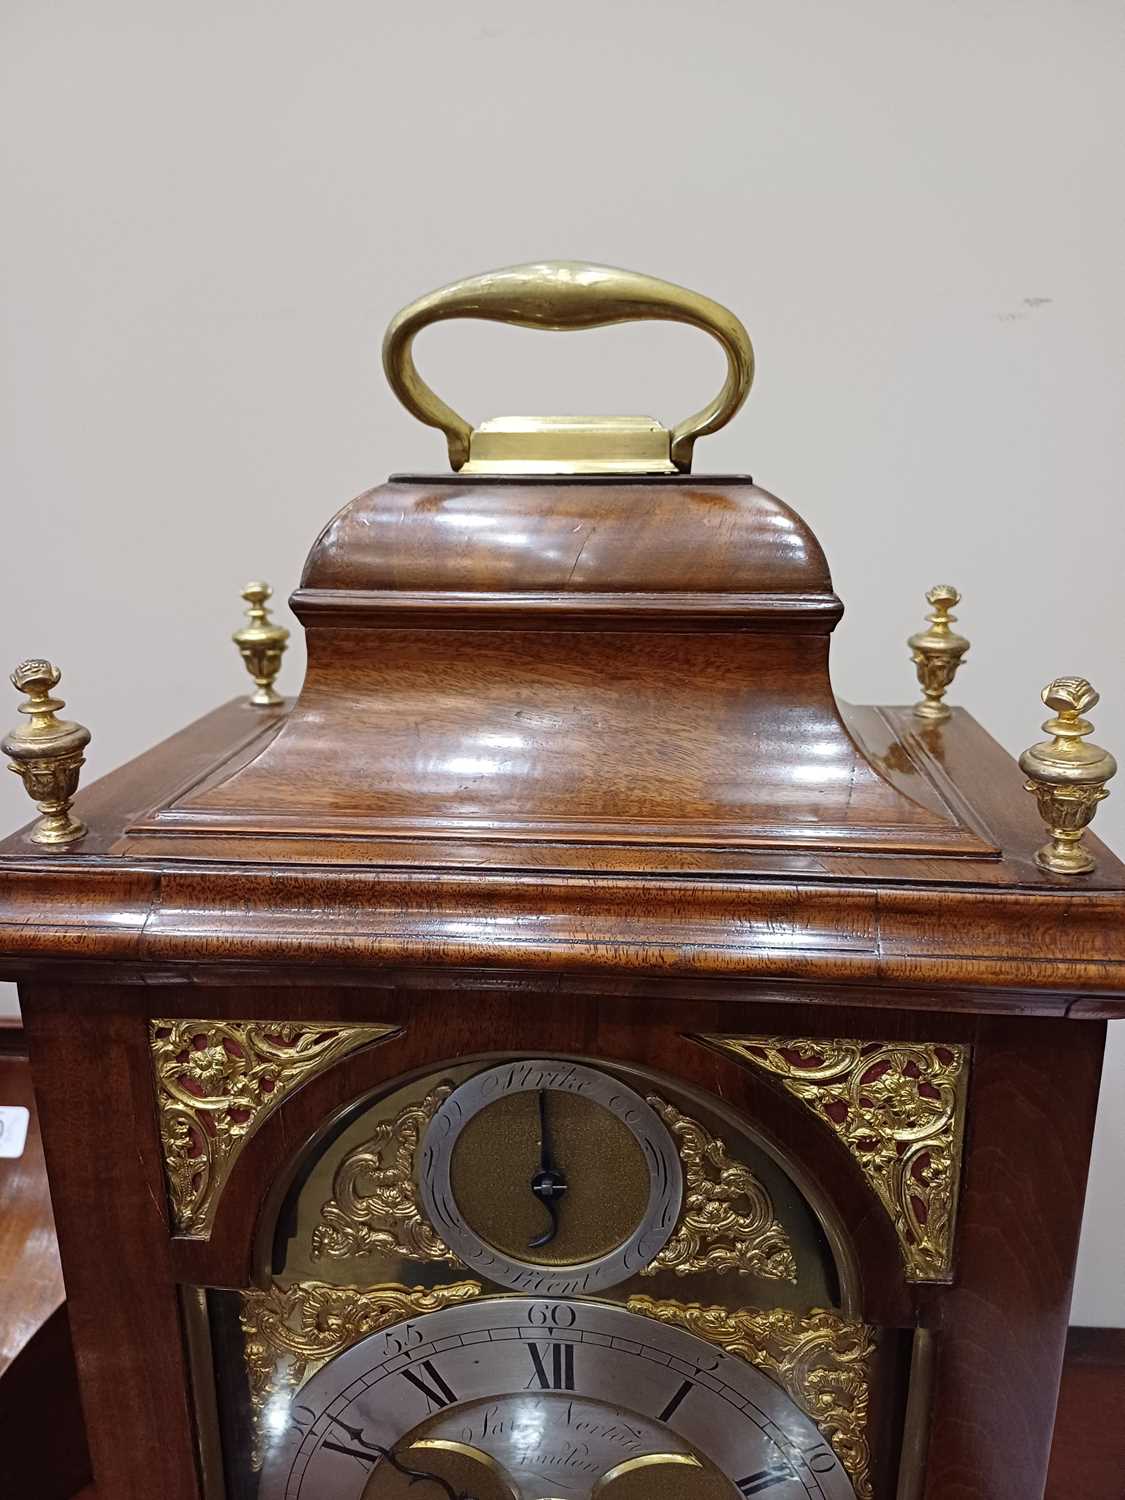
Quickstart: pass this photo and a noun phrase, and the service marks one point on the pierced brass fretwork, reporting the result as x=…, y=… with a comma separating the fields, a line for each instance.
x=899, y=1108
x=375, y=1205
x=216, y=1082
x=727, y=1222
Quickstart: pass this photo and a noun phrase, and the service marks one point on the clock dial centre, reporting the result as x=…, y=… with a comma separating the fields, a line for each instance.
x=541, y=1446
x=577, y=1202
x=434, y=1468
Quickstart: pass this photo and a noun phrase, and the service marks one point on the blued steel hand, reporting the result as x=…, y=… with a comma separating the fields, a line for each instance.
x=414, y=1475
x=549, y=1183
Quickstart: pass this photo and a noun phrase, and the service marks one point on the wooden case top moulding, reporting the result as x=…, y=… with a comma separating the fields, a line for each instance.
x=584, y=726
x=619, y=663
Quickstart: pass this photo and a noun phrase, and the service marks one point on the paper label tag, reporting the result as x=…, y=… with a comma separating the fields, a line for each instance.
x=13, y=1129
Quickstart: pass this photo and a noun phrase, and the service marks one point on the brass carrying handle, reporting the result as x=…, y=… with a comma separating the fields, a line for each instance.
x=562, y=296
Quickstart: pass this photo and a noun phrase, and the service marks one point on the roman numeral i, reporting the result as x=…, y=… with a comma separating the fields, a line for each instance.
x=684, y=1390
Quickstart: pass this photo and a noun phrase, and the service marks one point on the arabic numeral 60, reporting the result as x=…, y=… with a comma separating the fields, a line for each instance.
x=552, y=1315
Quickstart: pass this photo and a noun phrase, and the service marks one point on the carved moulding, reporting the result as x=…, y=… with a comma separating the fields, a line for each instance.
x=375, y=1206
x=216, y=1081
x=727, y=1222
x=899, y=1107
x=822, y=1360
x=290, y=1331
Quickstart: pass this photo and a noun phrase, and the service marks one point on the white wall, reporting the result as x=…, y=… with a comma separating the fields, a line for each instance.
x=212, y=210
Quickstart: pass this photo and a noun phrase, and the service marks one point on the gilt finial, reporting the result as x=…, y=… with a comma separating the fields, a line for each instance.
x=1067, y=774
x=261, y=643
x=937, y=653
x=47, y=753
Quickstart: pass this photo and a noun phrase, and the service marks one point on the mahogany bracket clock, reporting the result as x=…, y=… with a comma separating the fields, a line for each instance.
x=565, y=1053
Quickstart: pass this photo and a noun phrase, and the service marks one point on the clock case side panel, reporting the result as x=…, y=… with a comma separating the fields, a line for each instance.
x=93, y=1084
x=1001, y=1329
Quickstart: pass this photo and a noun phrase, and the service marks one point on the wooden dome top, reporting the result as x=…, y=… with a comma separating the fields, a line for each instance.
x=678, y=534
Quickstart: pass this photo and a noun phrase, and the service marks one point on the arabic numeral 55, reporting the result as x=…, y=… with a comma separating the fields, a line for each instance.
x=402, y=1338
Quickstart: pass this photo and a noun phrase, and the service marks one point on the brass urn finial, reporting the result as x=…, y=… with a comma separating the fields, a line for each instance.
x=1067, y=775
x=261, y=643
x=47, y=753
x=937, y=653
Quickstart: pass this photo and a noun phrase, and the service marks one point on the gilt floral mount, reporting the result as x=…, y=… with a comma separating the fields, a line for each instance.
x=727, y=1222
x=899, y=1108
x=216, y=1081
